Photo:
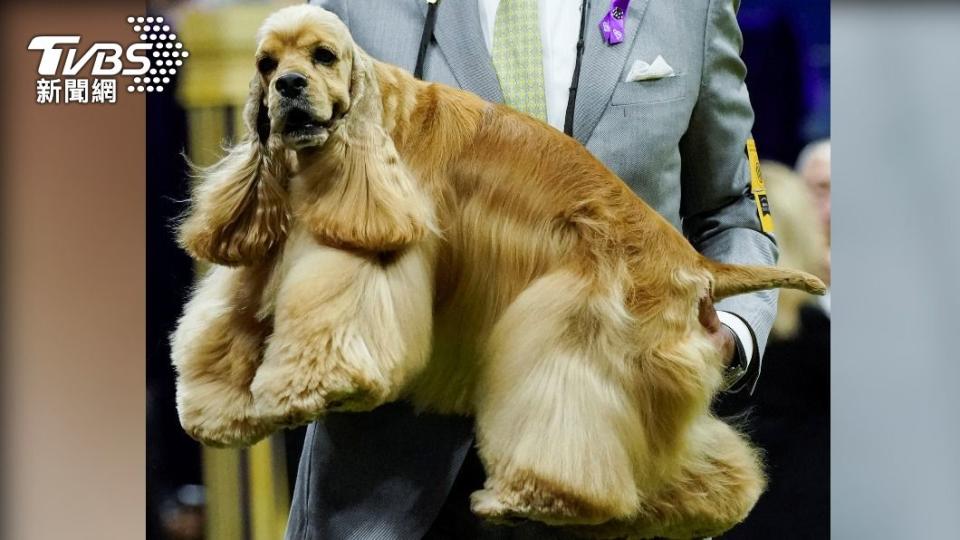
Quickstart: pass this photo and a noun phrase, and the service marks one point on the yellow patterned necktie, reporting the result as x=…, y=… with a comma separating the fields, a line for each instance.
x=518, y=56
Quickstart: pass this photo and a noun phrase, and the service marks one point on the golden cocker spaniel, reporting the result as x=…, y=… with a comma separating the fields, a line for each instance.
x=377, y=237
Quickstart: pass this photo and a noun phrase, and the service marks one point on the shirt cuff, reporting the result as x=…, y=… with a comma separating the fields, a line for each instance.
x=747, y=347
x=741, y=330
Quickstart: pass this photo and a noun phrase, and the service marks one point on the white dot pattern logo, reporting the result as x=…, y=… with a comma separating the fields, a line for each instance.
x=166, y=51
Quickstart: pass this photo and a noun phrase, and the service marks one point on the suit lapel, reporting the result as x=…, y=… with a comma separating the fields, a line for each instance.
x=461, y=43
x=601, y=65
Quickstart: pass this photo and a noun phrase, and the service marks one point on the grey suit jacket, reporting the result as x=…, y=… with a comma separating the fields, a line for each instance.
x=677, y=142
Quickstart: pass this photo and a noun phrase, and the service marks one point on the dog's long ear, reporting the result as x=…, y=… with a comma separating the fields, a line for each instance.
x=239, y=210
x=369, y=199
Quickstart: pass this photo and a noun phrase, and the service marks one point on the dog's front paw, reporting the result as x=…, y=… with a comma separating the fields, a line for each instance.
x=486, y=504
x=236, y=433
x=297, y=384
x=528, y=496
x=224, y=420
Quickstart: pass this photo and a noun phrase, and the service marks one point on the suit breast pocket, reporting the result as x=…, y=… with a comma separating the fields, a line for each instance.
x=663, y=90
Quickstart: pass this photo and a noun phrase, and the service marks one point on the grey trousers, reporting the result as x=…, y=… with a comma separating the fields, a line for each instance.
x=392, y=474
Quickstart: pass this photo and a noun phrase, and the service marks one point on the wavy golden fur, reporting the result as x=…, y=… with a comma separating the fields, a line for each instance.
x=381, y=238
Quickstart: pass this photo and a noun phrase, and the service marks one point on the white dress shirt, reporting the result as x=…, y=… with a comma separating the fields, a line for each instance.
x=559, y=29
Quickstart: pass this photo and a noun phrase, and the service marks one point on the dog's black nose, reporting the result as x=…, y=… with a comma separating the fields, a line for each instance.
x=291, y=84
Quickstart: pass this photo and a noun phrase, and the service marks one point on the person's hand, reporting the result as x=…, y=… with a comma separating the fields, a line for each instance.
x=719, y=333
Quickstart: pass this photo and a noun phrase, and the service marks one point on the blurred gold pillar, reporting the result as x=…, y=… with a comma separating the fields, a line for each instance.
x=247, y=490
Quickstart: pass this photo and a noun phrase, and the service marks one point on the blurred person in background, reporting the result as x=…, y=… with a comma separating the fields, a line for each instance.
x=813, y=165
x=173, y=458
x=184, y=516
x=801, y=235
x=789, y=415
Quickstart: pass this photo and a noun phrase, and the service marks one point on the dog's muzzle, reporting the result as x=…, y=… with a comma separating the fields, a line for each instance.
x=301, y=127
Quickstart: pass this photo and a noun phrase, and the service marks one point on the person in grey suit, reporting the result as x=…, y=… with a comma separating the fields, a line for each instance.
x=676, y=137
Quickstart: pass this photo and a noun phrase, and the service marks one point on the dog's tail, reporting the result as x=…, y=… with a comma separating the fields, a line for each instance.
x=733, y=279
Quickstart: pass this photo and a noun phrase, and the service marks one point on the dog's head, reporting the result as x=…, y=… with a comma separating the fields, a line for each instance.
x=307, y=77
x=314, y=88
x=319, y=89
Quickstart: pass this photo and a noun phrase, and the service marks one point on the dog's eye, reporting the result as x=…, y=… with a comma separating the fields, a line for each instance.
x=324, y=56
x=266, y=65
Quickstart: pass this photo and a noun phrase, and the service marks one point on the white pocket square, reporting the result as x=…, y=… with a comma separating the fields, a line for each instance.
x=642, y=71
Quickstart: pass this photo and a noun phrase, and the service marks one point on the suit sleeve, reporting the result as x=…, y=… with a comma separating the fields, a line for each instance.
x=338, y=7
x=718, y=212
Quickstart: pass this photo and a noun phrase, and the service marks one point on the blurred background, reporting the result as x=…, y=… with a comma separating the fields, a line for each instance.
x=195, y=492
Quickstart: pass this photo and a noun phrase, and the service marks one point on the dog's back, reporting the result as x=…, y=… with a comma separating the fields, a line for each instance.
x=518, y=200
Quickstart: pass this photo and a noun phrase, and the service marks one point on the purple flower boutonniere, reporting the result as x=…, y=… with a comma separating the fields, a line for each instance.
x=611, y=26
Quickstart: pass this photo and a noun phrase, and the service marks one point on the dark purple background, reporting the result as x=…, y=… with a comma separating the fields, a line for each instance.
x=787, y=52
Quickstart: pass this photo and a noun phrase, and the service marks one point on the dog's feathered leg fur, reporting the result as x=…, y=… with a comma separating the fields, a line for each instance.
x=216, y=350
x=350, y=330
x=718, y=483
x=547, y=397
